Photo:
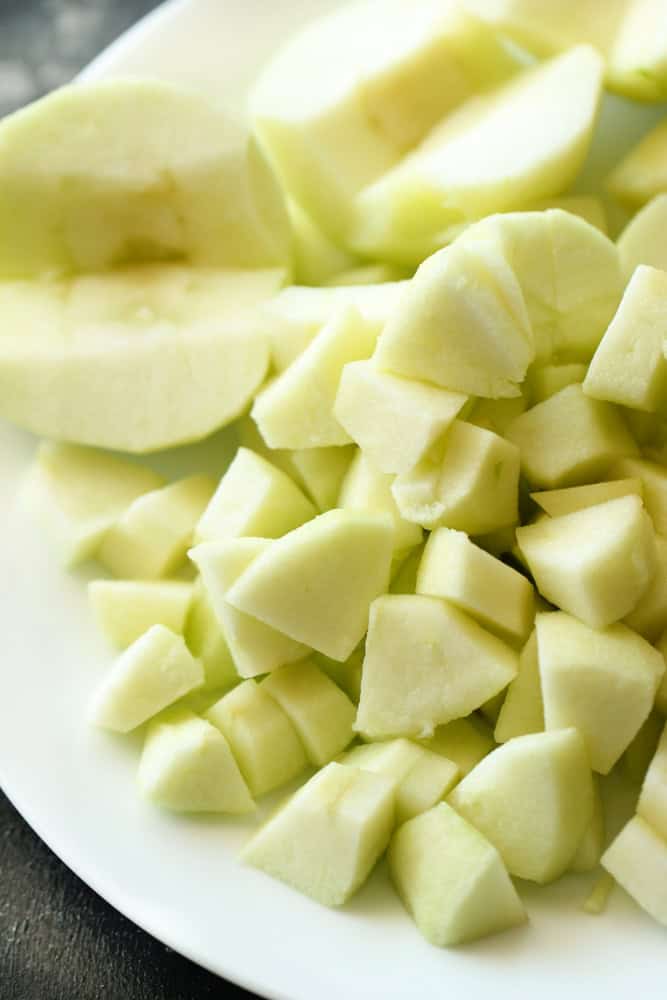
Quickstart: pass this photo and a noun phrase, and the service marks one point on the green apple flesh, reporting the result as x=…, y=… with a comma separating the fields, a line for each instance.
x=573, y=498
x=591, y=846
x=463, y=741
x=125, y=609
x=522, y=711
x=652, y=805
x=365, y=488
x=637, y=859
x=642, y=173
x=206, y=641
x=642, y=240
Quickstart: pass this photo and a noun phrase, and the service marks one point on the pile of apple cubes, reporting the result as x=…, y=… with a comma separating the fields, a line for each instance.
x=349, y=587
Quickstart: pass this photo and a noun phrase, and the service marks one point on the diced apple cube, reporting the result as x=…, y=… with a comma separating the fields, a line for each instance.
x=366, y=488
x=206, y=641
x=320, y=712
x=573, y=498
x=652, y=805
x=296, y=410
x=316, y=584
x=654, y=487
x=426, y=663
x=346, y=675
x=545, y=382
x=327, y=837
x=151, y=539
x=451, y=879
x=638, y=861
x=422, y=778
x=642, y=174
x=316, y=258
x=264, y=742
x=320, y=471
x=522, y=712
x=253, y=498
x=463, y=741
x=496, y=414
x=404, y=575
x=186, y=765
x=255, y=647
x=533, y=799
x=595, y=563
x=603, y=682
x=492, y=593
x=149, y=675
x=649, y=615
x=125, y=609
x=80, y=492
x=468, y=481
x=394, y=420
x=643, y=239
x=569, y=439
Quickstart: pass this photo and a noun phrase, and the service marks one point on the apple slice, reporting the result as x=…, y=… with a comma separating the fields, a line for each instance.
x=485, y=158
x=79, y=493
x=573, y=498
x=97, y=175
x=151, y=538
x=522, y=711
x=426, y=663
x=492, y=593
x=137, y=359
x=187, y=765
x=125, y=609
x=394, y=420
x=365, y=488
x=463, y=741
x=602, y=681
x=206, y=641
x=451, y=879
x=596, y=563
x=637, y=859
x=637, y=61
x=642, y=240
x=316, y=584
x=255, y=498
x=326, y=838
x=422, y=778
x=331, y=124
x=260, y=735
x=533, y=799
x=320, y=712
x=642, y=173
x=149, y=675
x=652, y=805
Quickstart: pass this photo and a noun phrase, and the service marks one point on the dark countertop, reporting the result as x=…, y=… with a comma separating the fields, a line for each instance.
x=58, y=939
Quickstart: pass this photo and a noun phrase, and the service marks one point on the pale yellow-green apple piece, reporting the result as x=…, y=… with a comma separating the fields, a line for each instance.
x=533, y=799
x=452, y=879
x=404, y=576
x=496, y=414
x=316, y=258
x=365, y=488
x=421, y=778
x=125, y=609
x=253, y=498
x=186, y=765
x=296, y=410
x=151, y=538
x=394, y=420
x=255, y=647
x=566, y=501
x=148, y=676
x=490, y=710
x=78, y=493
x=346, y=675
x=97, y=175
x=468, y=481
x=206, y=641
x=499, y=542
x=588, y=207
x=295, y=315
x=592, y=844
x=643, y=239
x=324, y=841
x=653, y=477
x=316, y=584
x=569, y=439
x=629, y=367
x=596, y=902
x=661, y=695
x=462, y=324
x=492, y=155
x=426, y=664
x=642, y=173
x=637, y=59
x=491, y=592
x=320, y=472
x=603, y=681
x=463, y=741
x=522, y=711
x=370, y=274
x=264, y=742
x=652, y=804
x=136, y=359
x=332, y=125
x=596, y=563
x=546, y=381
x=637, y=859
x=649, y=615
x=569, y=273
x=640, y=753
x=320, y=712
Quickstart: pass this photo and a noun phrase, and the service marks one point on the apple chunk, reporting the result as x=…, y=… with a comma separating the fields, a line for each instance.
x=522, y=711
x=642, y=241
x=652, y=805
x=365, y=488
x=451, y=879
x=638, y=861
x=125, y=609
x=327, y=837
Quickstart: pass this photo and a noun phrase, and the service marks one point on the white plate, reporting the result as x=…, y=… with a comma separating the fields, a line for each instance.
x=179, y=878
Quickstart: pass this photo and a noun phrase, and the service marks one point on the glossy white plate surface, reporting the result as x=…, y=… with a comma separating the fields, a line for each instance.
x=177, y=877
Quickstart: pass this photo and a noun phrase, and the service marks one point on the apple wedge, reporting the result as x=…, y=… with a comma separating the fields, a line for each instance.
x=642, y=240
x=637, y=859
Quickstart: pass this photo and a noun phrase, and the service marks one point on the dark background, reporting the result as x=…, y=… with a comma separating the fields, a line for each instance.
x=58, y=940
